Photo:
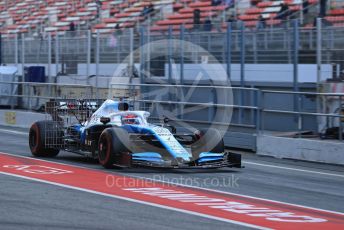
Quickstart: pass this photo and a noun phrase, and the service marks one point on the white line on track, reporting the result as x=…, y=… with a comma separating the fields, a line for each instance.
x=140, y=202
x=14, y=132
x=234, y=194
x=189, y=186
x=246, y=162
x=293, y=169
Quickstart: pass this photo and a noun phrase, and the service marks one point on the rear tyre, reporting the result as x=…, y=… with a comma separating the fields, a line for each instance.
x=37, y=138
x=207, y=141
x=112, y=146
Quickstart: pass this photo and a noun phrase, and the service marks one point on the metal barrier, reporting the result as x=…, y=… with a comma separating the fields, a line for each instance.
x=42, y=92
x=260, y=108
x=299, y=113
x=141, y=94
x=185, y=99
x=82, y=52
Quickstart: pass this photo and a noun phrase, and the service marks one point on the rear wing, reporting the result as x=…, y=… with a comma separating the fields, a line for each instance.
x=80, y=109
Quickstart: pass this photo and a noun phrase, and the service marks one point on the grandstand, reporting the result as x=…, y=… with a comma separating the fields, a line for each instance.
x=106, y=16
x=336, y=13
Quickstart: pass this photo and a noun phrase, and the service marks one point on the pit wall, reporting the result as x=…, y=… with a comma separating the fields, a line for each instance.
x=21, y=119
x=253, y=72
x=331, y=152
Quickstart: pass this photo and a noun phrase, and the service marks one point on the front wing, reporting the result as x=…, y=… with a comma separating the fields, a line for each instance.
x=148, y=159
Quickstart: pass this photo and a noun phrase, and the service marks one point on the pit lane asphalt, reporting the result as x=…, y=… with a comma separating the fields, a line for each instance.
x=32, y=205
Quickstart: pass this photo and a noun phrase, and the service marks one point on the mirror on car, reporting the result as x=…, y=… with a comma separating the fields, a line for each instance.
x=105, y=120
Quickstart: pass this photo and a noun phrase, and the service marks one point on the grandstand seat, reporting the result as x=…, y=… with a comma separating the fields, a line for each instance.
x=269, y=10
x=21, y=16
x=127, y=14
x=183, y=15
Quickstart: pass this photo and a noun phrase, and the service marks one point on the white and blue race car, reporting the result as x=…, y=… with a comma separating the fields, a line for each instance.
x=118, y=137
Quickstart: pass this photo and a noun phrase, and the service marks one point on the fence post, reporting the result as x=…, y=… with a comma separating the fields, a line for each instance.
x=229, y=50
x=131, y=63
x=16, y=58
x=255, y=46
x=170, y=65
x=242, y=55
x=148, y=41
x=23, y=66
x=242, y=70
x=169, y=54
x=88, y=55
x=296, y=97
x=340, y=119
x=142, y=60
x=182, y=30
x=57, y=54
x=131, y=47
x=319, y=53
x=211, y=109
x=23, y=56
x=181, y=38
x=262, y=112
x=258, y=111
x=299, y=116
x=251, y=103
x=30, y=96
x=0, y=49
x=295, y=55
x=319, y=61
x=49, y=64
x=97, y=53
x=142, y=42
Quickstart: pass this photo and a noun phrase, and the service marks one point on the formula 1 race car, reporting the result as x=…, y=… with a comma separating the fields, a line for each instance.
x=108, y=131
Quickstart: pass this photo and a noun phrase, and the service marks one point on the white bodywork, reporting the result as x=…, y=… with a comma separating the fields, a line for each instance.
x=110, y=109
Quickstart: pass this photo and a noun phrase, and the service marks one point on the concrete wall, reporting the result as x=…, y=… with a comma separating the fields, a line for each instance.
x=20, y=119
x=253, y=72
x=331, y=152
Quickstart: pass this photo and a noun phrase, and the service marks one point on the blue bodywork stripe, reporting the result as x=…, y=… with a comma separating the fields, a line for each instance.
x=147, y=156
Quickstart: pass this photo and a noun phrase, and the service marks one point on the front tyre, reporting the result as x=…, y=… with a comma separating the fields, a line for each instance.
x=207, y=141
x=37, y=137
x=113, y=144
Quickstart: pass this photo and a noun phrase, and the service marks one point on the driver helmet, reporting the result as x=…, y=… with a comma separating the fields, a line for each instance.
x=130, y=119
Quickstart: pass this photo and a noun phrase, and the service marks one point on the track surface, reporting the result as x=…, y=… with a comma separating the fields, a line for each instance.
x=28, y=204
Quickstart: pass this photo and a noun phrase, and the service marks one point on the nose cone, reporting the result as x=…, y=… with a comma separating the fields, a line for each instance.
x=181, y=161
